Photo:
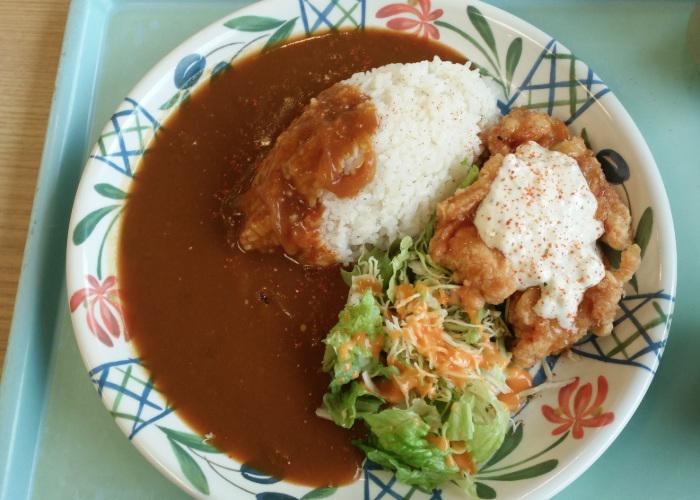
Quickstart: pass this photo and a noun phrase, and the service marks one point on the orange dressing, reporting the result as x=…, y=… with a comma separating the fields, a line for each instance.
x=410, y=378
x=390, y=390
x=464, y=461
x=364, y=283
x=439, y=442
x=518, y=380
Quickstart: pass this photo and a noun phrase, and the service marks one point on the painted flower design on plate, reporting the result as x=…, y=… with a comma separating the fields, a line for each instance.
x=580, y=412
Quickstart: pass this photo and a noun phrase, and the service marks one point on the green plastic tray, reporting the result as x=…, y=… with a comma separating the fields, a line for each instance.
x=56, y=439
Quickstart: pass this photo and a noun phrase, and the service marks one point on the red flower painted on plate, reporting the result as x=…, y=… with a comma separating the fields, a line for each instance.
x=104, y=311
x=423, y=18
x=582, y=413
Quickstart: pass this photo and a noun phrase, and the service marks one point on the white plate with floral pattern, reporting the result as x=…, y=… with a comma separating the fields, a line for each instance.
x=562, y=431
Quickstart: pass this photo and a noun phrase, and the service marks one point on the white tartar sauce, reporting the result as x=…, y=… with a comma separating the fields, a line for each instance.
x=540, y=213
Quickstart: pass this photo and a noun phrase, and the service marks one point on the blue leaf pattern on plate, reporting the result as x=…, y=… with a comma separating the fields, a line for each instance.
x=256, y=476
x=189, y=70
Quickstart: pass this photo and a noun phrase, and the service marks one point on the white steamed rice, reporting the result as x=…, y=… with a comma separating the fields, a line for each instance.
x=430, y=114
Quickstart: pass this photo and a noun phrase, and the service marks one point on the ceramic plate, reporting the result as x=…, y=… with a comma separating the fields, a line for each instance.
x=561, y=431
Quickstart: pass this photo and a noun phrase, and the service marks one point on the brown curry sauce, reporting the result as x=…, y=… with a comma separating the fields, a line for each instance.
x=234, y=339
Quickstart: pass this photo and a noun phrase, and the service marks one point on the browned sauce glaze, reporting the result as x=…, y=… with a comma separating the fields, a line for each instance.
x=328, y=147
x=233, y=339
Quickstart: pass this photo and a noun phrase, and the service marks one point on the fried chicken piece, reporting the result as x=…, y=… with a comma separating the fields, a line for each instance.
x=485, y=273
x=611, y=210
x=597, y=310
x=537, y=337
x=463, y=204
x=521, y=126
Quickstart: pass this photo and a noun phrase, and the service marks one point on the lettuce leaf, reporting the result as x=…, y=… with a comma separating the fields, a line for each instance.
x=398, y=441
x=345, y=357
x=479, y=419
x=428, y=413
x=471, y=177
x=426, y=479
x=353, y=402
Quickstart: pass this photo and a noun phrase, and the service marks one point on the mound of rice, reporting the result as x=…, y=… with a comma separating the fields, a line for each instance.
x=430, y=114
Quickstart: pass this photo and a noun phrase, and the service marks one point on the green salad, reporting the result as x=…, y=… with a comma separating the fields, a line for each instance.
x=420, y=374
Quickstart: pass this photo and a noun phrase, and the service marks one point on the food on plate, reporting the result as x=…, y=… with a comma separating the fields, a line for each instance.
x=366, y=161
x=542, y=200
x=234, y=339
x=381, y=227
x=420, y=354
